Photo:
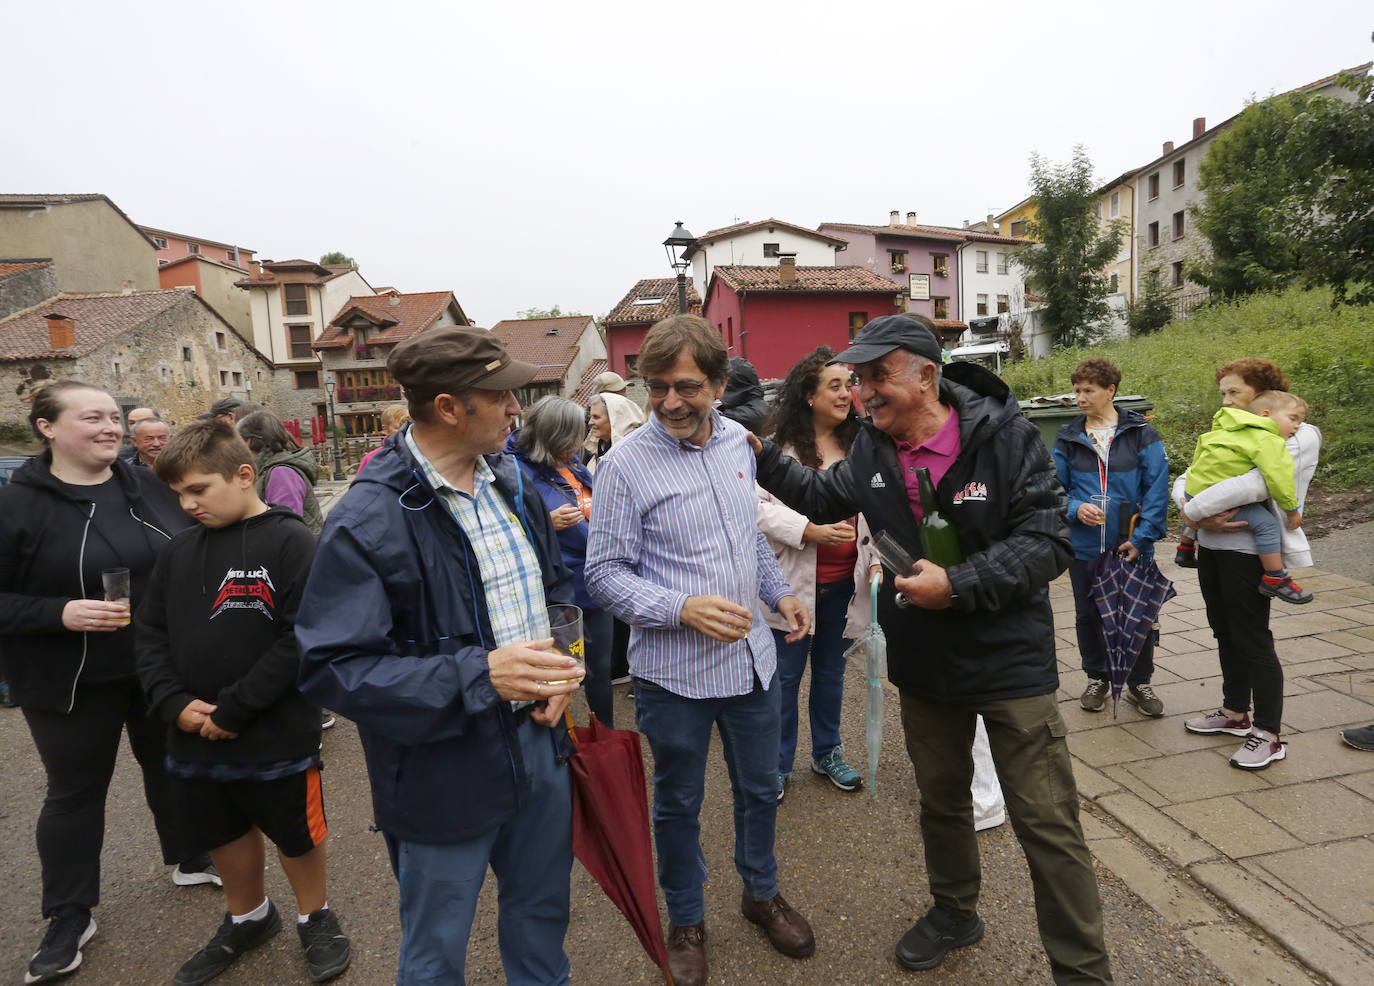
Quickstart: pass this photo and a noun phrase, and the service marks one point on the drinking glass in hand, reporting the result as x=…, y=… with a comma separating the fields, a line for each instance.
x=116, y=583
x=565, y=627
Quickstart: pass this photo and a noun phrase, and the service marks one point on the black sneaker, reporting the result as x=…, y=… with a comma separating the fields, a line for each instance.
x=1186, y=556
x=230, y=942
x=1143, y=697
x=935, y=936
x=1361, y=738
x=327, y=949
x=327, y=719
x=1095, y=695
x=60, y=951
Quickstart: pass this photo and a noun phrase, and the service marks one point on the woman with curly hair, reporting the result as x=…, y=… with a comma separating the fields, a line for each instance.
x=814, y=421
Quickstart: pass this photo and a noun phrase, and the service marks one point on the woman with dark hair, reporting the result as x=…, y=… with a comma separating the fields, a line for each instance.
x=67, y=518
x=546, y=448
x=1112, y=453
x=814, y=421
x=286, y=472
x=1229, y=570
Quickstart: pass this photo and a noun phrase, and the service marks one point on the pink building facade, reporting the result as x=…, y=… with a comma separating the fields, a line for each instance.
x=177, y=246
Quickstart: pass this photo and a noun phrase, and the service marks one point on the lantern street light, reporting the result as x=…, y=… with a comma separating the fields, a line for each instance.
x=677, y=244
x=329, y=385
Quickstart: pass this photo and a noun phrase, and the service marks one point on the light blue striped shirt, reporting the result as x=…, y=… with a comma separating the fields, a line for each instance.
x=673, y=520
x=506, y=559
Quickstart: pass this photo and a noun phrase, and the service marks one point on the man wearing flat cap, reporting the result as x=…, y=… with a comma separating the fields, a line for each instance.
x=425, y=621
x=974, y=638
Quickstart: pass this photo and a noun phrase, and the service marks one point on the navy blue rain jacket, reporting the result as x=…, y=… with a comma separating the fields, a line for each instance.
x=1137, y=477
x=394, y=634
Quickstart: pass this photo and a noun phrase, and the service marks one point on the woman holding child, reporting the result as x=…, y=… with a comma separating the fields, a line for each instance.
x=1233, y=579
x=67, y=516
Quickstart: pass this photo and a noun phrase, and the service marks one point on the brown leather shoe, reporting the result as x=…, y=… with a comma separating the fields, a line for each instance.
x=687, y=954
x=787, y=930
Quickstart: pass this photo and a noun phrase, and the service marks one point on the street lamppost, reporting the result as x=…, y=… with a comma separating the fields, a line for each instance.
x=329, y=385
x=676, y=246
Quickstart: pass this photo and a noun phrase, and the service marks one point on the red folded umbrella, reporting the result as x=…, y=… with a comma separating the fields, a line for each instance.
x=610, y=827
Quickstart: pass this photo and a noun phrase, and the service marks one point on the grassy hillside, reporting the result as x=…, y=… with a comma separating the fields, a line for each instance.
x=1328, y=356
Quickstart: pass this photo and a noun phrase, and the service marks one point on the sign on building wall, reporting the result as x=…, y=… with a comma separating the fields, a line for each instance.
x=920, y=287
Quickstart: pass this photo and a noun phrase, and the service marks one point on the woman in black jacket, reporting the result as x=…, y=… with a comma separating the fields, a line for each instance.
x=66, y=516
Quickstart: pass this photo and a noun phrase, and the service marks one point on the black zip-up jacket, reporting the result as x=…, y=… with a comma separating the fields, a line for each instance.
x=43, y=535
x=218, y=624
x=1003, y=496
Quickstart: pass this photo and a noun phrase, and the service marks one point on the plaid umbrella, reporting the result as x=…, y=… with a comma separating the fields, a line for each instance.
x=1128, y=596
x=610, y=823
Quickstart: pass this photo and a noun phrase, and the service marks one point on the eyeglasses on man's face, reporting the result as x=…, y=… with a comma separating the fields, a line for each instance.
x=684, y=388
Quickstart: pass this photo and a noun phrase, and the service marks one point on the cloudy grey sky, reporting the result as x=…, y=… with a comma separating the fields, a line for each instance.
x=533, y=153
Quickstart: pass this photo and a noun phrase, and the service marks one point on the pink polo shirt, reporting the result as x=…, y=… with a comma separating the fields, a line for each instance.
x=937, y=454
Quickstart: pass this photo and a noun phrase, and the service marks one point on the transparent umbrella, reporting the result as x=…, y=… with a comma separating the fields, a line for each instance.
x=873, y=644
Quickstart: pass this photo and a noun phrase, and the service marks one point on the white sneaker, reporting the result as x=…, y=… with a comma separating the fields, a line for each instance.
x=1260, y=749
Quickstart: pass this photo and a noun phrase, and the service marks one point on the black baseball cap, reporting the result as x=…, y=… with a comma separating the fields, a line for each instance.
x=882, y=335
x=450, y=359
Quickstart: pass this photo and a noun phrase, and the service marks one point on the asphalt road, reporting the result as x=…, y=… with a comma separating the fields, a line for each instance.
x=850, y=863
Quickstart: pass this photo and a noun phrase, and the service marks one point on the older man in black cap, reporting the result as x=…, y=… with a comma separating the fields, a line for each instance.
x=973, y=637
x=425, y=621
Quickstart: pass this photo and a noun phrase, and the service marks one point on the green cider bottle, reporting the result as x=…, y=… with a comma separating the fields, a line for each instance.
x=939, y=539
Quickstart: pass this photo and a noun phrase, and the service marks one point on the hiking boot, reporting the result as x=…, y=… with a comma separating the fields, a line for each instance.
x=1095, y=695
x=230, y=942
x=935, y=936
x=60, y=951
x=1361, y=738
x=1186, y=556
x=843, y=776
x=1219, y=722
x=327, y=949
x=1143, y=697
x=1285, y=589
x=1259, y=751
x=195, y=871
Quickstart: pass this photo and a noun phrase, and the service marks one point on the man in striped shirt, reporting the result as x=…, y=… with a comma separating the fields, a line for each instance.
x=674, y=550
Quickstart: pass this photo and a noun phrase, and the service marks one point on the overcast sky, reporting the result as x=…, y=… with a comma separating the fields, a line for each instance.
x=532, y=154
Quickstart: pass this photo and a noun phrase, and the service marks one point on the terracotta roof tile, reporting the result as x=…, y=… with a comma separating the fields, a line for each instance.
x=586, y=387
x=809, y=280
x=96, y=319
x=8, y=267
x=267, y=277
x=412, y=313
x=931, y=232
x=549, y=343
x=662, y=288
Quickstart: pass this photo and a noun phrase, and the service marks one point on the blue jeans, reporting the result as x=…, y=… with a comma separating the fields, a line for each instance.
x=826, y=645
x=531, y=855
x=1089, y=628
x=679, y=733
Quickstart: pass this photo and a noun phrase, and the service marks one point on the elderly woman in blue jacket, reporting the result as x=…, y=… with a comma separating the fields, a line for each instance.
x=546, y=448
x=1112, y=452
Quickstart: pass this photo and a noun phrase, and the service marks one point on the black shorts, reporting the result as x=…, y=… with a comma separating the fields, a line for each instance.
x=289, y=811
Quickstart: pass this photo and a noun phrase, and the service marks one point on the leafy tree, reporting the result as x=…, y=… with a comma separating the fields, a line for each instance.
x=1245, y=173
x=337, y=258
x=1065, y=266
x=554, y=312
x=1328, y=212
x=1152, y=310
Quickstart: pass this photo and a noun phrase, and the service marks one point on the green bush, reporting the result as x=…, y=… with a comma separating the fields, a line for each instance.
x=1327, y=353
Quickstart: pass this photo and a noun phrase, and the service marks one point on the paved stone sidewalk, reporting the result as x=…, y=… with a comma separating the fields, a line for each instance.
x=1291, y=847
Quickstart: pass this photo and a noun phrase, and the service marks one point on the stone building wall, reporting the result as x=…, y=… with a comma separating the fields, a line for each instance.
x=26, y=288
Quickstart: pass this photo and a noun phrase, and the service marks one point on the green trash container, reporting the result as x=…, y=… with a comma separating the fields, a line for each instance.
x=1049, y=414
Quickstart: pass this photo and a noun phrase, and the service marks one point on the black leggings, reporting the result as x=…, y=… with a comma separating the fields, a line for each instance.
x=1239, y=617
x=78, y=751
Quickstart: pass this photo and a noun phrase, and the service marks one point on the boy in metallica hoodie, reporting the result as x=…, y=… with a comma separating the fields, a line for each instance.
x=217, y=659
